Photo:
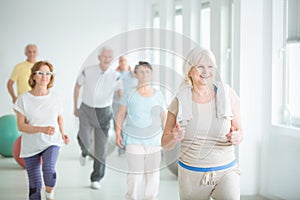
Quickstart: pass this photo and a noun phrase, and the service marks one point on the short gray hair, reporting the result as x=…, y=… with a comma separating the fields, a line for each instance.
x=104, y=48
x=29, y=45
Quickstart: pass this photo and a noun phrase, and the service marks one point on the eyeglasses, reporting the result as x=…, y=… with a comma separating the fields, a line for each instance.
x=41, y=73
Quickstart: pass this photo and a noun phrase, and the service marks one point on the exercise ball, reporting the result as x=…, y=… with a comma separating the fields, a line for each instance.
x=16, y=152
x=8, y=134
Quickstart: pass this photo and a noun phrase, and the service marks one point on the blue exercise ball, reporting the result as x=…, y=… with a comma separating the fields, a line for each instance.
x=8, y=134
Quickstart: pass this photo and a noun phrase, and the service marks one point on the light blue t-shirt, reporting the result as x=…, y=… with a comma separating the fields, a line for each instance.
x=129, y=82
x=143, y=124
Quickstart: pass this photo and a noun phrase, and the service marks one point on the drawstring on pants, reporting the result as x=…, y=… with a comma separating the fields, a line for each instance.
x=209, y=178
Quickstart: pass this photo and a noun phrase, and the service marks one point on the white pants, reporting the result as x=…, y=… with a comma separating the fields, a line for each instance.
x=224, y=186
x=143, y=161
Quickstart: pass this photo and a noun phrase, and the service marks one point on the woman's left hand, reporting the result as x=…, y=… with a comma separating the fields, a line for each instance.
x=234, y=136
x=66, y=139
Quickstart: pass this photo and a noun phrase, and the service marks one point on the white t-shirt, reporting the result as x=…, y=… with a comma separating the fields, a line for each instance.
x=99, y=86
x=39, y=111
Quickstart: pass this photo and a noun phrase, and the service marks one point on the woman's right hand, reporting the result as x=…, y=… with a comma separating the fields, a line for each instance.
x=119, y=141
x=76, y=112
x=49, y=130
x=178, y=132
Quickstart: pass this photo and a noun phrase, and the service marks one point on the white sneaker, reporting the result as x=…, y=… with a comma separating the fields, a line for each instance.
x=83, y=160
x=50, y=196
x=95, y=185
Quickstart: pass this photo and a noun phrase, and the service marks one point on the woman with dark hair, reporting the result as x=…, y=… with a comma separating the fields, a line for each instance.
x=141, y=117
x=39, y=118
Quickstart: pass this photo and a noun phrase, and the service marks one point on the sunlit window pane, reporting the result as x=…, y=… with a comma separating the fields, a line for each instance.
x=293, y=66
x=178, y=23
x=205, y=27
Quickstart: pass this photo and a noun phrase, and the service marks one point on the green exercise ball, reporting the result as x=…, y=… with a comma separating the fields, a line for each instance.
x=8, y=134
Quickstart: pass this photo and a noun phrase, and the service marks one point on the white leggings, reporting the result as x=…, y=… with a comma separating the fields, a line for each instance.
x=220, y=185
x=143, y=162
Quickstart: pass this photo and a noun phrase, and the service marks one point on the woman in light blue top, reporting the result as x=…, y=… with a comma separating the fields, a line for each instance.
x=141, y=117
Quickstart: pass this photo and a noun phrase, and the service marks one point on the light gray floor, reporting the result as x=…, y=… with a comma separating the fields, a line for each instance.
x=73, y=179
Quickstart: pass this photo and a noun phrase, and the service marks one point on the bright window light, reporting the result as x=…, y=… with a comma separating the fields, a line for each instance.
x=205, y=27
x=293, y=72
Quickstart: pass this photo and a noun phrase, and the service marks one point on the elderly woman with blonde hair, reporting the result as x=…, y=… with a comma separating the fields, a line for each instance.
x=205, y=118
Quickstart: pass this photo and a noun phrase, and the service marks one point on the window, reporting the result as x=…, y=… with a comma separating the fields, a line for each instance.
x=291, y=101
x=205, y=25
x=178, y=27
x=155, y=35
x=178, y=18
x=293, y=72
x=156, y=20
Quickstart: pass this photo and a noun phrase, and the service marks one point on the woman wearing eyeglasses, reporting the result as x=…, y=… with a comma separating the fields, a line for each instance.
x=39, y=118
x=205, y=118
x=141, y=117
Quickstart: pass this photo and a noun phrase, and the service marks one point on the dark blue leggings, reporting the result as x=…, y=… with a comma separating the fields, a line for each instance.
x=33, y=168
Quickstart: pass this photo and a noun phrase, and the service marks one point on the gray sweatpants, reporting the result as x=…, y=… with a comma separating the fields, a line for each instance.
x=97, y=119
x=220, y=185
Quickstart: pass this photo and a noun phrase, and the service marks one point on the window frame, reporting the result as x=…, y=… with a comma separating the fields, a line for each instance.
x=281, y=113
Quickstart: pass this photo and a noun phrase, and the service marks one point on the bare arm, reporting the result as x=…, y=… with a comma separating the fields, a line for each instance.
x=172, y=133
x=76, y=94
x=61, y=129
x=11, y=91
x=236, y=133
x=163, y=117
x=119, y=89
x=26, y=128
x=119, y=94
x=122, y=110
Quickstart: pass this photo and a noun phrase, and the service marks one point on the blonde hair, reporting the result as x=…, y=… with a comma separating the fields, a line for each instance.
x=194, y=58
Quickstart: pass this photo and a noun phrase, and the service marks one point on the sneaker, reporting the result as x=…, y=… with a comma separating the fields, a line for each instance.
x=95, y=185
x=50, y=196
x=83, y=160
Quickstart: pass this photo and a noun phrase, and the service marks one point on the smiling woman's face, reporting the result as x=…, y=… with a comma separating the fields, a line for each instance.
x=203, y=73
x=42, y=76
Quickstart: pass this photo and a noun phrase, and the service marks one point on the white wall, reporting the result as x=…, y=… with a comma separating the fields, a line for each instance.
x=251, y=92
x=283, y=159
x=66, y=32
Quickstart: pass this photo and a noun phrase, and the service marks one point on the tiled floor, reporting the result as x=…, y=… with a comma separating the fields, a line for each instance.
x=73, y=179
